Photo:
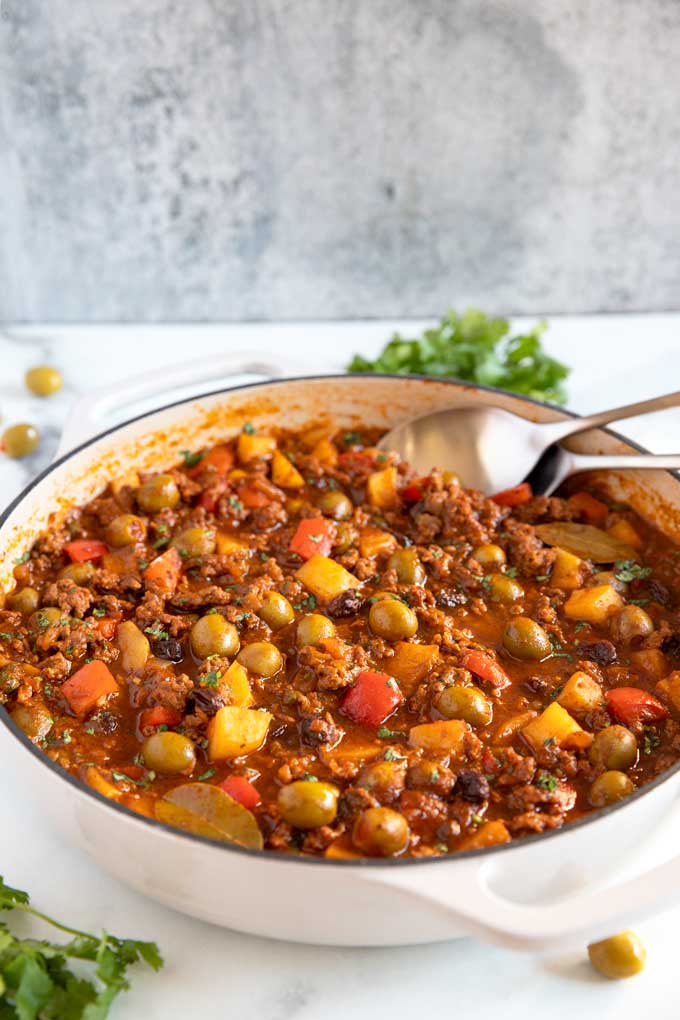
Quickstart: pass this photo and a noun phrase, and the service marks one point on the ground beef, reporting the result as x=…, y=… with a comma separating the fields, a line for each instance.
x=315, y=841
x=542, y=509
x=536, y=809
x=68, y=596
x=450, y=598
x=353, y=800
x=151, y=612
x=516, y=770
x=526, y=551
x=334, y=665
x=55, y=668
x=161, y=686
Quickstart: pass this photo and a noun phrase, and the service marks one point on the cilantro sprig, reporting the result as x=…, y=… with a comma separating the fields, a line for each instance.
x=36, y=982
x=478, y=349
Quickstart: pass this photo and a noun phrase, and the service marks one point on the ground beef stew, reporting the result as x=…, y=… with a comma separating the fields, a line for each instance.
x=290, y=642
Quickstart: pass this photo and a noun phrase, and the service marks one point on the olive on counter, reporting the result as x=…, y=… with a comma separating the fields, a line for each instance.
x=20, y=440
x=44, y=380
x=621, y=956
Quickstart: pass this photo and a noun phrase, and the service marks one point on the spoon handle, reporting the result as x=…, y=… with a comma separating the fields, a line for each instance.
x=560, y=429
x=646, y=461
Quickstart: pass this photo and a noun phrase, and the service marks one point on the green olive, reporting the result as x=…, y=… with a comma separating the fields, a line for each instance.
x=526, y=639
x=306, y=804
x=34, y=720
x=380, y=832
x=43, y=380
x=610, y=787
x=468, y=703
x=44, y=618
x=489, y=555
x=346, y=536
x=79, y=573
x=608, y=577
x=384, y=779
x=408, y=566
x=393, y=620
x=213, y=635
x=24, y=600
x=168, y=752
x=423, y=774
x=20, y=440
x=276, y=610
x=504, y=589
x=629, y=623
x=314, y=628
x=126, y=529
x=159, y=492
x=621, y=956
x=614, y=747
x=194, y=542
x=261, y=657
x=336, y=505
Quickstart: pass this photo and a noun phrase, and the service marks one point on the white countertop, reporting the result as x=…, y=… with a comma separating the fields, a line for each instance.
x=212, y=973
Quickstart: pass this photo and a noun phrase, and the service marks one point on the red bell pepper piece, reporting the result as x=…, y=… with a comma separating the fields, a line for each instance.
x=515, y=496
x=151, y=718
x=208, y=501
x=415, y=490
x=85, y=549
x=356, y=460
x=90, y=683
x=221, y=458
x=634, y=707
x=486, y=668
x=592, y=509
x=314, y=535
x=164, y=572
x=106, y=626
x=252, y=497
x=241, y=790
x=373, y=699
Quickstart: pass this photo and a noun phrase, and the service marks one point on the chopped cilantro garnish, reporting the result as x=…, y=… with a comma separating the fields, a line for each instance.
x=387, y=734
x=236, y=504
x=309, y=778
x=351, y=438
x=157, y=632
x=98, y=611
x=629, y=570
x=249, y=429
x=210, y=679
x=392, y=755
x=192, y=459
x=208, y=774
x=24, y=558
x=546, y=781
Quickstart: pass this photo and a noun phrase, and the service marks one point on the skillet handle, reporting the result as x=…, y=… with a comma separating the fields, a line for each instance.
x=565, y=923
x=121, y=400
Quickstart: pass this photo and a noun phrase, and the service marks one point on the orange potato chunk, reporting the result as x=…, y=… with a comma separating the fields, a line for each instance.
x=594, y=605
x=555, y=724
x=325, y=578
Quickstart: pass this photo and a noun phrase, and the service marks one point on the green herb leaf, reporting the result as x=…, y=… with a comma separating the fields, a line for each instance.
x=35, y=979
x=24, y=558
x=387, y=734
x=249, y=429
x=629, y=570
x=192, y=459
x=478, y=349
x=208, y=774
x=546, y=781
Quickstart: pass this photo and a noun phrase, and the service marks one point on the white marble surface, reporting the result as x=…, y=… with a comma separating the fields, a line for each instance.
x=211, y=973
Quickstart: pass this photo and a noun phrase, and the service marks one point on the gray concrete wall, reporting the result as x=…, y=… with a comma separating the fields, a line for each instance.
x=226, y=159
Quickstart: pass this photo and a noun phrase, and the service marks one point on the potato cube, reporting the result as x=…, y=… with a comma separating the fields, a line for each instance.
x=594, y=605
x=625, y=532
x=236, y=730
x=488, y=834
x=228, y=544
x=580, y=693
x=252, y=447
x=555, y=724
x=284, y=473
x=410, y=663
x=670, y=687
x=235, y=685
x=567, y=571
x=650, y=661
x=134, y=647
x=381, y=488
x=445, y=737
x=325, y=578
x=376, y=542
x=326, y=453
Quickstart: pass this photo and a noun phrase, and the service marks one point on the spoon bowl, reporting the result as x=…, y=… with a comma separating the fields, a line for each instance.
x=492, y=449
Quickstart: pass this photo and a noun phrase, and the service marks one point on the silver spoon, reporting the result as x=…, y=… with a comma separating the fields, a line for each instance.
x=492, y=449
x=556, y=464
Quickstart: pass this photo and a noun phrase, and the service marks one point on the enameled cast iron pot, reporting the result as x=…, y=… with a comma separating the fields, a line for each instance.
x=542, y=892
